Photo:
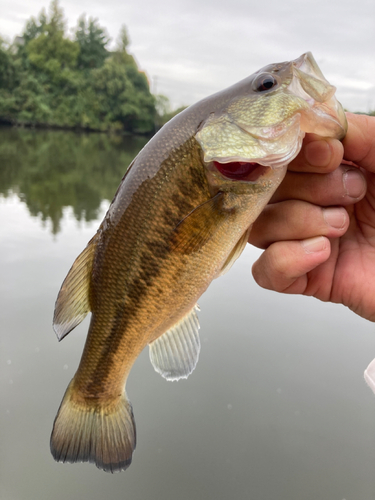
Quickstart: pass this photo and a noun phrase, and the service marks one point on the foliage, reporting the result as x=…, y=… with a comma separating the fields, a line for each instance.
x=164, y=110
x=92, y=41
x=47, y=78
x=123, y=39
x=8, y=71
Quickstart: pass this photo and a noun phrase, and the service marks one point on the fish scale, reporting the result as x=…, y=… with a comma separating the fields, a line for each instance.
x=180, y=218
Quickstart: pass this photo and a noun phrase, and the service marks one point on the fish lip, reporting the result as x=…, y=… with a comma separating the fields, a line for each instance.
x=326, y=113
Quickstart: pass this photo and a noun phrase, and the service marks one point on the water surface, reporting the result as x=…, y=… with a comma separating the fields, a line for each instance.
x=276, y=409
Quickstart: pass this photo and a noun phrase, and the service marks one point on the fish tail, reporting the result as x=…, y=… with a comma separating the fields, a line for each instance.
x=100, y=433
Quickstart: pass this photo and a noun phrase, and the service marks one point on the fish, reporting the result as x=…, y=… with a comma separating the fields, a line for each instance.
x=180, y=218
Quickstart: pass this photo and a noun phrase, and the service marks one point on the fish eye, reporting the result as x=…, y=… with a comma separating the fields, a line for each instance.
x=264, y=81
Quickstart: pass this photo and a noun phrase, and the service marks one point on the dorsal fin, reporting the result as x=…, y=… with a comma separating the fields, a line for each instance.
x=72, y=304
x=175, y=353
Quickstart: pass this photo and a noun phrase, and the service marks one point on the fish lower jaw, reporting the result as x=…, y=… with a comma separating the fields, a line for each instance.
x=325, y=119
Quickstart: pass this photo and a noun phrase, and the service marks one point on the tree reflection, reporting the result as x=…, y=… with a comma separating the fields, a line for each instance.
x=51, y=170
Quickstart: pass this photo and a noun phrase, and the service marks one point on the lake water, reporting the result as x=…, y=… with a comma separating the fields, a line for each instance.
x=277, y=408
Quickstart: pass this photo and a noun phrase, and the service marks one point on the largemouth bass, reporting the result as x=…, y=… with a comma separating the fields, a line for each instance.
x=180, y=218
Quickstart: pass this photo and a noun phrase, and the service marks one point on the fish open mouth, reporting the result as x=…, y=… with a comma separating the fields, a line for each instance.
x=241, y=170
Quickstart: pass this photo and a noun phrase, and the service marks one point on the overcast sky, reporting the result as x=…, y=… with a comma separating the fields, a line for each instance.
x=192, y=48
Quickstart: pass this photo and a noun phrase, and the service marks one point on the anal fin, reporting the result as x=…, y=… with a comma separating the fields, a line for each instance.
x=72, y=304
x=175, y=353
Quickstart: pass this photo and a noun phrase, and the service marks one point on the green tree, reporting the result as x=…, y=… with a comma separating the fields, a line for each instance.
x=123, y=40
x=35, y=27
x=49, y=51
x=164, y=112
x=47, y=78
x=8, y=69
x=56, y=19
x=124, y=96
x=92, y=41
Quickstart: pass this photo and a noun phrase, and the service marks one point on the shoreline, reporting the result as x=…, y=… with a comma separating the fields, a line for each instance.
x=6, y=123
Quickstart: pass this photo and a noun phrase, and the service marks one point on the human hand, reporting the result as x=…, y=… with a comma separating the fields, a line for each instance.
x=313, y=245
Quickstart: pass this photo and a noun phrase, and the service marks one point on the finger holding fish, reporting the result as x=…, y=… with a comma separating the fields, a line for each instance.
x=318, y=155
x=339, y=270
x=308, y=205
x=292, y=263
x=343, y=186
x=294, y=219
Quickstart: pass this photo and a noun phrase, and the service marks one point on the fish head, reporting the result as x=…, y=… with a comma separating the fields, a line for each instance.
x=258, y=125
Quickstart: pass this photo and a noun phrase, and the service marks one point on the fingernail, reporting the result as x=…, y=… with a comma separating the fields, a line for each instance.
x=335, y=217
x=318, y=153
x=354, y=183
x=313, y=245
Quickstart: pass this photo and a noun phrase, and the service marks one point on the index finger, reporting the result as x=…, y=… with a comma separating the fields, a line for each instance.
x=318, y=155
x=359, y=142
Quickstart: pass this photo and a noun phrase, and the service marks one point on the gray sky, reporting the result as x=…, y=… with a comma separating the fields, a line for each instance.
x=192, y=48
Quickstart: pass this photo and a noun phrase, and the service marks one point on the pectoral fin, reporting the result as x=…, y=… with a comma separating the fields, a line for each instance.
x=236, y=252
x=197, y=228
x=175, y=353
x=72, y=304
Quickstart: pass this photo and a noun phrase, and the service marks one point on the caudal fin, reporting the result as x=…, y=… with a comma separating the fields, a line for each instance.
x=103, y=434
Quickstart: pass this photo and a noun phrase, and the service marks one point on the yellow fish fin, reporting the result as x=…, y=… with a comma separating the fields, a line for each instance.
x=73, y=304
x=197, y=228
x=236, y=252
x=102, y=433
x=175, y=353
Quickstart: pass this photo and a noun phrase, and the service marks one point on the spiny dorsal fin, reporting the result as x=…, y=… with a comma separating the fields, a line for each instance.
x=236, y=252
x=72, y=304
x=197, y=228
x=175, y=353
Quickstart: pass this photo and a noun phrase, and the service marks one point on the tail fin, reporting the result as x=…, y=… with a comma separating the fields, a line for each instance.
x=100, y=434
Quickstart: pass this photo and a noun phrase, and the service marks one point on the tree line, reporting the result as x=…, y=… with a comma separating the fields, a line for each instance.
x=49, y=79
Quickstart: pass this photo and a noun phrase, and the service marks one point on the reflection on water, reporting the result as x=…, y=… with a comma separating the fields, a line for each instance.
x=276, y=409
x=50, y=170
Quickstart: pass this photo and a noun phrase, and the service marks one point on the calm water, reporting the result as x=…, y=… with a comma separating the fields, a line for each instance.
x=277, y=408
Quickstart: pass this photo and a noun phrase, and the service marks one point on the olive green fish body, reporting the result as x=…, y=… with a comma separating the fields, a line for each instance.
x=145, y=276
x=180, y=218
